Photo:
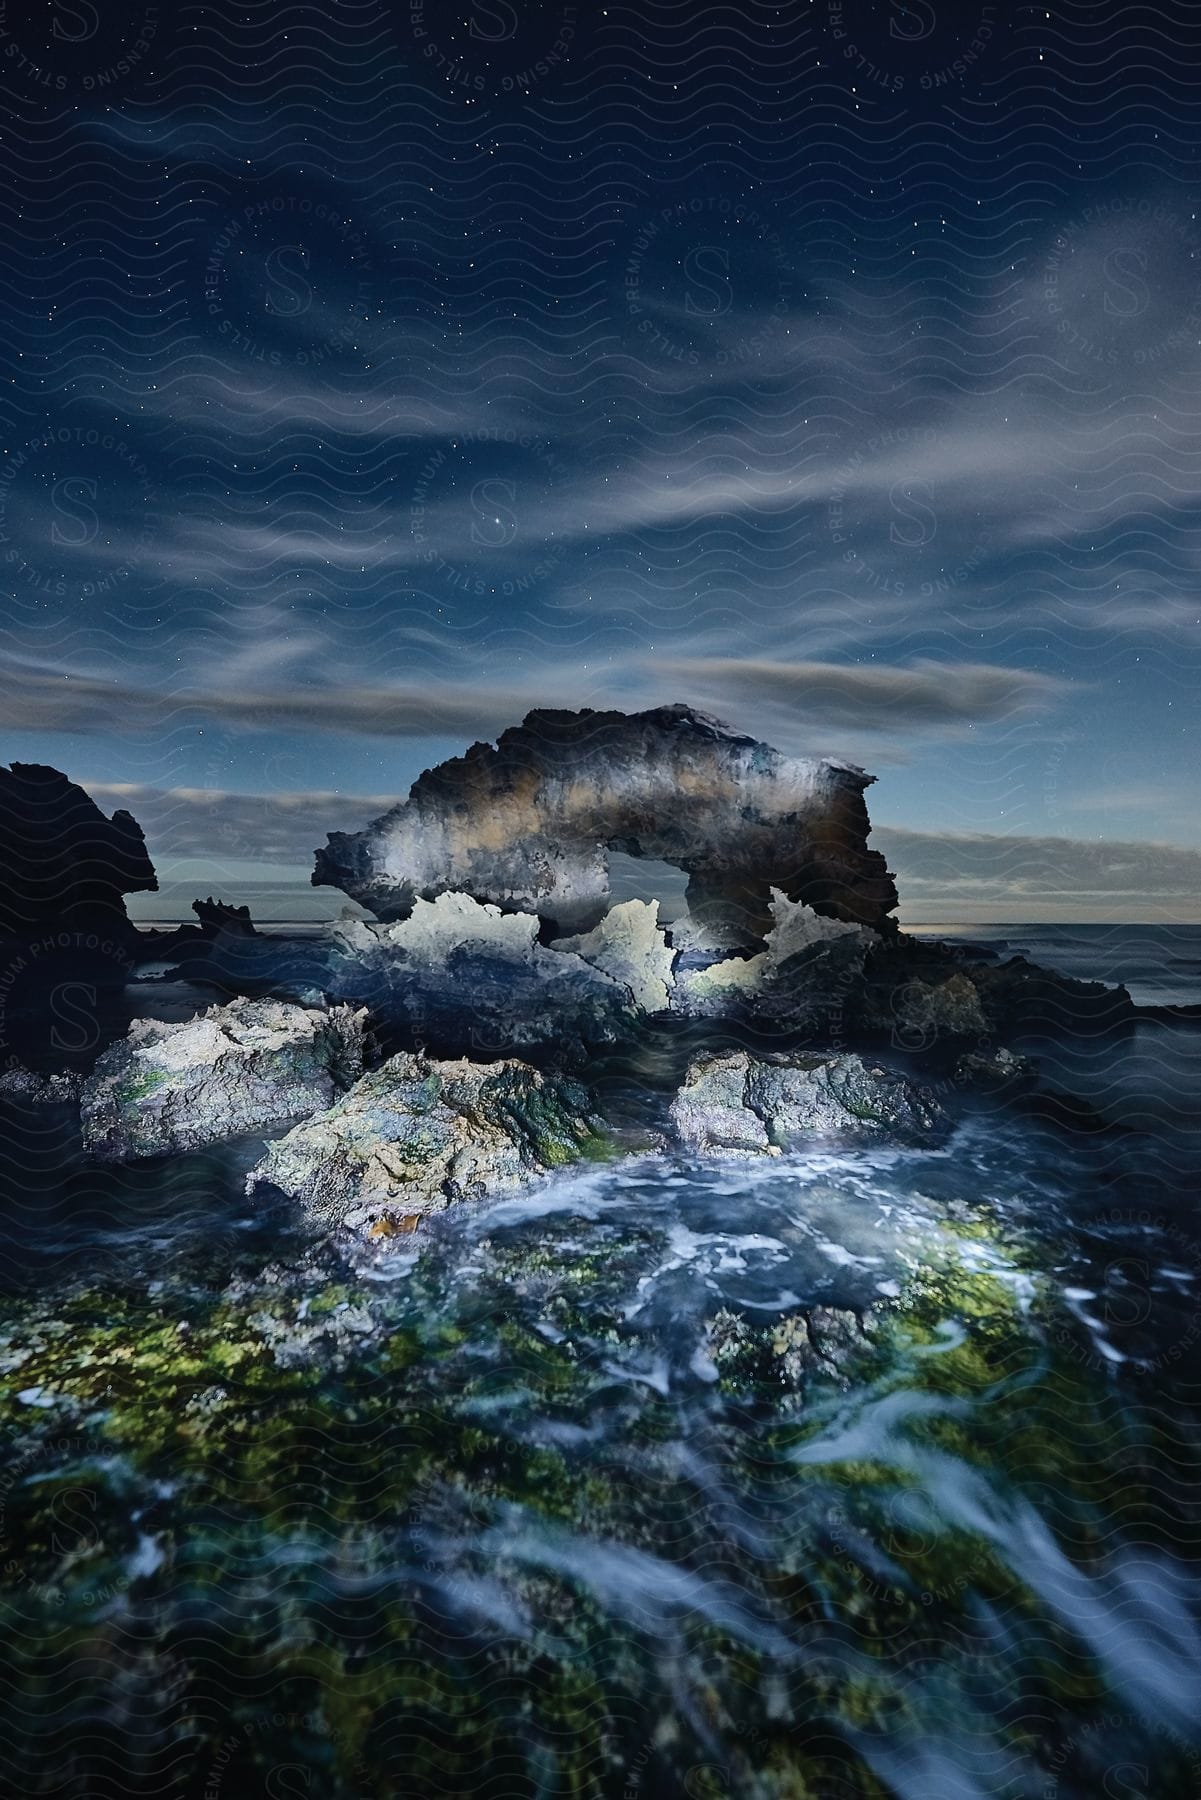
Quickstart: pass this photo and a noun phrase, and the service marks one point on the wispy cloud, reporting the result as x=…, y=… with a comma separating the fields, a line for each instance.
x=869, y=696
x=800, y=697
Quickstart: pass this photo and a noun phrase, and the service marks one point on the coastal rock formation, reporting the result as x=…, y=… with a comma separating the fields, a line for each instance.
x=630, y=946
x=808, y=967
x=921, y=993
x=748, y=1103
x=527, y=825
x=62, y=862
x=459, y=976
x=415, y=1135
x=251, y=1066
x=216, y=916
x=37, y=1089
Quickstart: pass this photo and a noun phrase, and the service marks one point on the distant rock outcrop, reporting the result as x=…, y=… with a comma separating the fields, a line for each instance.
x=62, y=862
x=527, y=825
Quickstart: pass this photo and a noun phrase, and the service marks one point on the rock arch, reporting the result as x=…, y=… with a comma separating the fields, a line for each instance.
x=527, y=824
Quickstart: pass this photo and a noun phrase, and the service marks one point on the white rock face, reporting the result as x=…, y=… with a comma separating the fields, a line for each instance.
x=459, y=973
x=247, y=1067
x=436, y=928
x=629, y=944
x=796, y=927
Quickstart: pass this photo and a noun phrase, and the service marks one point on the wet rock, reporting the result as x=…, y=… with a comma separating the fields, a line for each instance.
x=1018, y=996
x=951, y=1009
x=247, y=1067
x=460, y=976
x=415, y=1135
x=804, y=974
x=763, y=1105
x=527, y=824
x=57, y=1089
x=62, y=861
x=818, y=1344
x=1002, y=1069
x=918, y=992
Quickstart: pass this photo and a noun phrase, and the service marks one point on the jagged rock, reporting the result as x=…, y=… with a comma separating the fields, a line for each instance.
x=248, y=1067
x=462, y=976
x=1017, y=996
x=925, y=1014
x=415, y=1135
x=629, y=944
x=62, y=862
x=809, y=964
x=742, y=1102
x=915, y=990
x=56, y=1089
x=527, y=824
x=216, y=916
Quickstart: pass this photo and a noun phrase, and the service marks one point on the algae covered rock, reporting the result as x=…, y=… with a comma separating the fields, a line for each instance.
x=247, y=1067
x=415, y=1135
x=817, y=1344
x=738, y=1101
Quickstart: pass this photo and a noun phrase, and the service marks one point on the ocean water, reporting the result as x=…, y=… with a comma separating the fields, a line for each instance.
x=860, y=1472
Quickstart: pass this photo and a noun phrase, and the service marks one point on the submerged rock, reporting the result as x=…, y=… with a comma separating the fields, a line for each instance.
x=247, y=1067
x=738, y=1101
x=527, y=824
x=415, y=1135
x=819, y=1344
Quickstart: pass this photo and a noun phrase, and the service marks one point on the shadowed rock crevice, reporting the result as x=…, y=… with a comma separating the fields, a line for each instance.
x=528, y=824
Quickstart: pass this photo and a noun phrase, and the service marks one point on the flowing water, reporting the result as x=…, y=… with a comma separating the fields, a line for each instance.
x=859, y=1473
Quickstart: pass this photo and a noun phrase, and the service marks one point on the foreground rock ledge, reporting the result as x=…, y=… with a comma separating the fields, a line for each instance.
x=415, y=1135
x=740, y=1102
x=527, y=824
x=248, y=1067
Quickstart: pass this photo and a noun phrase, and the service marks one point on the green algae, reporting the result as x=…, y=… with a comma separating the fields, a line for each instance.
x=287, y=1439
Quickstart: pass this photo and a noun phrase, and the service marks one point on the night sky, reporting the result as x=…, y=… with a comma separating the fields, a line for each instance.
x=377, y=371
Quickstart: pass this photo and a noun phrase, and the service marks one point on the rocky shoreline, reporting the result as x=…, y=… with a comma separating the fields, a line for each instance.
x=467, y=1042
x=453, y=1343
